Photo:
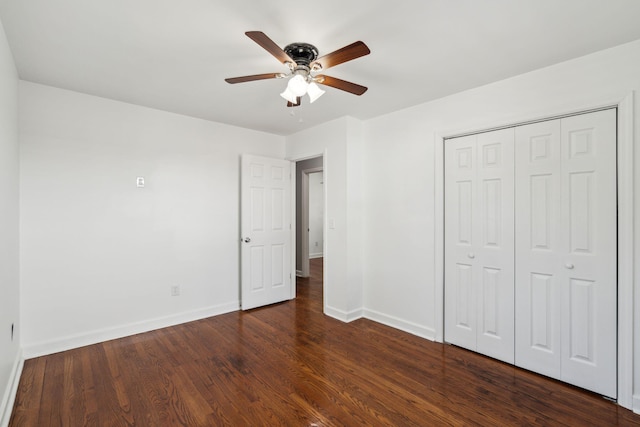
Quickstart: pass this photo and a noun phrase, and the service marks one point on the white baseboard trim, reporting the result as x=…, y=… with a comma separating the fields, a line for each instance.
x=93, y=337
x=342, y=315
x=9, y=397
x=403, y=325
x=636, y=403
x=316, y=255
x=394, y=322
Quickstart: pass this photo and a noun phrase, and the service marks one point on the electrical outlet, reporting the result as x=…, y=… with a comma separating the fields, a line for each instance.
x=175, y=291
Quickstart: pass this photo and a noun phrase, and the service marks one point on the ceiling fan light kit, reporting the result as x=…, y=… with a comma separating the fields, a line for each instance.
x=302, y=60
x=314, y=92
x=289, y=96
x=298, y=85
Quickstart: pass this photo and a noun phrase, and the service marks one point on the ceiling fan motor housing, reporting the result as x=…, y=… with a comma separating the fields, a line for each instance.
x=303, y=53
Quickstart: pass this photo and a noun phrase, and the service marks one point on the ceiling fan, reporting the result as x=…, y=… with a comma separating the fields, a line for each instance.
x=303, y=62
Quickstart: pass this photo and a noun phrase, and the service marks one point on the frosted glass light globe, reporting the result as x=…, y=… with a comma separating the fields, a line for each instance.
x=314, y=92
x=298, y=85
x=289, y=96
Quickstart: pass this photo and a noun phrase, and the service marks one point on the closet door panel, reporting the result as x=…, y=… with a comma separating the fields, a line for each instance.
x=460, y=232
x=589, y=264
x=479, y=243
x=494, y=249
x=537, y=271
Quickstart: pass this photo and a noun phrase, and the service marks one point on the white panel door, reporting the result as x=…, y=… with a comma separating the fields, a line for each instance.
x=589, y=288
x=538, y=243
x=566, y=250
x=265, y=231
x=479, y=243
x=494, y=244
x=460, y=269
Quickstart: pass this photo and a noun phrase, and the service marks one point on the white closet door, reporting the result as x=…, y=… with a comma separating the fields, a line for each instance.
x=479, y=289
x=538, y=243
x=494, y=244
x=460, y=270
x=589, y=289
x=566, y=250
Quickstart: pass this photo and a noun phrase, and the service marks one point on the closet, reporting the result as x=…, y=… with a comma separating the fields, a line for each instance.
x=530, y=247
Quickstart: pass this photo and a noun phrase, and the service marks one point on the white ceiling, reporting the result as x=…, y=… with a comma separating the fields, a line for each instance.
x=173, y=55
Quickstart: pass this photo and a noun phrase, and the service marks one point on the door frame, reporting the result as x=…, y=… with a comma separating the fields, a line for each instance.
x=304, y=239
x=624, y=102
x=325, y=265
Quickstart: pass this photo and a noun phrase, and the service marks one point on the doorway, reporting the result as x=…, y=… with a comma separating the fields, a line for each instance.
x=315, y=214
x=309, y=213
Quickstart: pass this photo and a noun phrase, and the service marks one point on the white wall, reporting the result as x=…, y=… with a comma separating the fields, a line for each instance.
x=9, y=226
x=99, y=255
x=402, y=157
x=340, y=141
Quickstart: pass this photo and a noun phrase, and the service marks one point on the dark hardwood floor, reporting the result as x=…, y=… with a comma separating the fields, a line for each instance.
x=290, y=365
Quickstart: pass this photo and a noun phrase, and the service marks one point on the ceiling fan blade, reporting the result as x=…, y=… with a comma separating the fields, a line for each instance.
x=270, y=46
x=341, y=84
x=291, y=104
x=347, y=53
x=243, y=79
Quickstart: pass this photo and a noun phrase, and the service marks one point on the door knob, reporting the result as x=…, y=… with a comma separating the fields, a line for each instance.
x=569, y=266
x=471, y=255
x=247, y=239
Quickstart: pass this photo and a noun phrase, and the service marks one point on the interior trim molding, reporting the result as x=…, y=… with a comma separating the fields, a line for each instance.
x=97, y=336
x=9, y=397
x=626, y=253
x=624, y=102
x=401, y=324
x=343, y=316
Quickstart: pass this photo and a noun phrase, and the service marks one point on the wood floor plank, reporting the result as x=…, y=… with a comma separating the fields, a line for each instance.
x=288, y=364
x=26, y=408
x=88, y=391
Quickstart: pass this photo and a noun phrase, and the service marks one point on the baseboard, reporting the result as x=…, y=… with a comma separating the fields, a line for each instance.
x=342, y=315
x=9, y=397
x=403, y=325
x=97, y=336
x=316, y=255
x=636, y=403
x=298, y=273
